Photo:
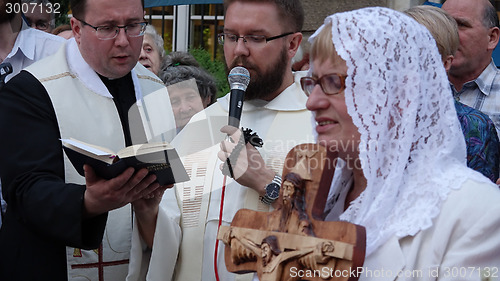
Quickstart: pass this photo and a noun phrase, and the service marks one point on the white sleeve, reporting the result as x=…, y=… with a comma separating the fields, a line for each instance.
x=159, y=262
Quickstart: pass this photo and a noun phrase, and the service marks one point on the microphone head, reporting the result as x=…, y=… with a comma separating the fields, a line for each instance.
x=238, y=78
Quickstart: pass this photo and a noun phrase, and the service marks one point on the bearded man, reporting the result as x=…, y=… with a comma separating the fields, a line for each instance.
x=263, y=37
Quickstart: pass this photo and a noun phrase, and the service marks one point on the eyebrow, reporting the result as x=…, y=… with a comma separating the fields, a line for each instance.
x=463, y=21
x=252, y=32
x=113, y=22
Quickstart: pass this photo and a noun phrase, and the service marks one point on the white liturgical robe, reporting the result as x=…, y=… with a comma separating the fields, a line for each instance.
x=282, y=123
x=67, y=70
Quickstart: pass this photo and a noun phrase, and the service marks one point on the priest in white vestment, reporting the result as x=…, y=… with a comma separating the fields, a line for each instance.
x=274, y=108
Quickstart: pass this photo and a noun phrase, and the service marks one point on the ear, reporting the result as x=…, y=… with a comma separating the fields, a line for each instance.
x=494, y=35
x=447, y=62
x=294, y=44
x=76, y=28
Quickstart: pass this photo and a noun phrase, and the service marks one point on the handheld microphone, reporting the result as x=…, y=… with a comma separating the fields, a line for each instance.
x=5, y=69
x=238, y=78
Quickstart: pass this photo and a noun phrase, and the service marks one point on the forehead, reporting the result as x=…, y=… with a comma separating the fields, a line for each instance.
x=250, y=17
x=466, y=9
x=183, y=88
x=148, y=40
x=327, y=65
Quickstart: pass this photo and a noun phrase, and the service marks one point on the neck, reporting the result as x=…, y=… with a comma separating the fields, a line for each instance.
x=459, y=78
x=8, y=34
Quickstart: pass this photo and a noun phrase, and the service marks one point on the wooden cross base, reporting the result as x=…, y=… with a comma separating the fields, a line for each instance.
x=293, y=242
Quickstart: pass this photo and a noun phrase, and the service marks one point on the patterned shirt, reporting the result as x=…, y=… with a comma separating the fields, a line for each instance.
x=481, y=140
x=483, y=93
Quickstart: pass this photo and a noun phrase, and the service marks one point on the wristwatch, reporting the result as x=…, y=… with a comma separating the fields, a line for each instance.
x=272, y=191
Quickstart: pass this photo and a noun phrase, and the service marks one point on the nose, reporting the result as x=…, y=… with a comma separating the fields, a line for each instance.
x=184, y=107
x=241, y=48
x=122, y=38
x=143, y=55
x=317, y=99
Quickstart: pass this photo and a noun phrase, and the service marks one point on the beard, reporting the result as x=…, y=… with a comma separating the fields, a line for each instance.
x=4, y=15
x=264, y=84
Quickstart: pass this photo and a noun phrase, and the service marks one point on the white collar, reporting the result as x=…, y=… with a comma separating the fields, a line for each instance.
x=24, y=43
x=79, y=67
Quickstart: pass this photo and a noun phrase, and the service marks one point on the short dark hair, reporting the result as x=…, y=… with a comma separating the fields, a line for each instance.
x=291, y=11
x=182, y=66
x=78, y=8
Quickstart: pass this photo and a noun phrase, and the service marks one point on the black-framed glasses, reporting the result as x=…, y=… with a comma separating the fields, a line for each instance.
x=250, y=40
x=331, y=84
x=107, y=32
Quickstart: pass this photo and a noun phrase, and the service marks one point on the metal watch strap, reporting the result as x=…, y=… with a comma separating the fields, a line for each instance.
x=265, y=199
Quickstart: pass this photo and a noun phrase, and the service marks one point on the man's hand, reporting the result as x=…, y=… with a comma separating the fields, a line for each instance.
x=146, y=212
x=104, y=195
x=249, y=169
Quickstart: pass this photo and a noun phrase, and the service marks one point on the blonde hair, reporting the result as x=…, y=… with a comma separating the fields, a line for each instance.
x=322, y=47
x=441, y=26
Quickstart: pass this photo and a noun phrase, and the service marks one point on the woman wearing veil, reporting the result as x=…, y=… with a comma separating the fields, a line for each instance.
x=376, y=91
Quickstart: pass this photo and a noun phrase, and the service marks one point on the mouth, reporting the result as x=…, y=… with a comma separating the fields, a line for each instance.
x=324, y=123
x=121, y=58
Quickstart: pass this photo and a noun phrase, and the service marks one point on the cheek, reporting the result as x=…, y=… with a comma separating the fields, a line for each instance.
x=176, y=109
x=197, y=105
x=157, y=59
x=136, y=45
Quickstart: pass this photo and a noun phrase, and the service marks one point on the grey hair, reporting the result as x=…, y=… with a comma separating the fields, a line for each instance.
x=157, y=39
x=45, y=3
x=181, y=66
x=490, y=16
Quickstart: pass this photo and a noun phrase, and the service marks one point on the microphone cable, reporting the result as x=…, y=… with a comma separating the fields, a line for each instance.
x=216, y=252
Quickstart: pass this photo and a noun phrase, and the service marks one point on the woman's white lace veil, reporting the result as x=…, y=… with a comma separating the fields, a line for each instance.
x=412, y=148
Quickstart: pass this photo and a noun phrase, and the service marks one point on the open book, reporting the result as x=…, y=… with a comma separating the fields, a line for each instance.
x=159, y=158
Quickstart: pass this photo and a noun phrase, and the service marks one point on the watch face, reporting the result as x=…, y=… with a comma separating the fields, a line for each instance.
x=273, y=191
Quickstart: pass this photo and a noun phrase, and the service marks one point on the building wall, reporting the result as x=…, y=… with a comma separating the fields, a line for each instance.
x=317, y=10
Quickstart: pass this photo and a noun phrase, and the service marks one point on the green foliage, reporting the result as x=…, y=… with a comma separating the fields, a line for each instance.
x=62, y=15
x=216, y=67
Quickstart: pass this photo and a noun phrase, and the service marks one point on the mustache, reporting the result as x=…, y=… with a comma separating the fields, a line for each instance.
x=241, y=61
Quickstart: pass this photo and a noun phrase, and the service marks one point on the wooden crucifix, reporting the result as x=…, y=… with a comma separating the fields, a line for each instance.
x=293, y=242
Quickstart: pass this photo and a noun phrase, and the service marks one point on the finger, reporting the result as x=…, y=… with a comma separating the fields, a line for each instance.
x=222, y=156
x=90, y=175
x=145, y=186
x=121, y=180
x=226, y=146
x=233, y=133
x=229, y=129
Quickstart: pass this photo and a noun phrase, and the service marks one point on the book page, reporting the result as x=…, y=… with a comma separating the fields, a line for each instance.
x=141, y=149
x=93, y=149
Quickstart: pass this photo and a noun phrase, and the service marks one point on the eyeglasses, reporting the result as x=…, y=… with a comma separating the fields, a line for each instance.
x=250, y=40
x=331, y=84
x=41, y=25
x=107, y=32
